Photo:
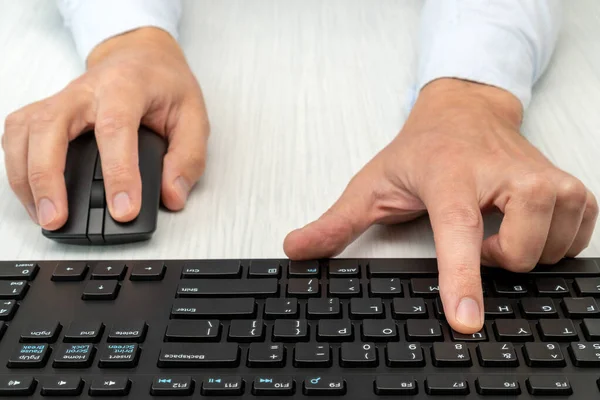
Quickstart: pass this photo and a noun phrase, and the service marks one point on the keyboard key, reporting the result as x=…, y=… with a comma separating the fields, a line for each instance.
x=553, y=287
x=29, y=356
x=581, y=307
x=246, y=331
x=266, y=355
x=74, y=356
x=264, y=269
x=281, y=308
x=223, y=386
x=13, y=289
x=568, y=267
x=366, y=308
x=324, y=308
x=304, y=269
x=591, y=328
x=72, y=271
x=406, y=268
x=494, y=385
x=335, y=330
x=392, y=385
x=62, y=386
x=26, y=270
x=196, y=355
x=438, y=308
x=385, y=287
x=426, y=330
x=469, y=337
x=110, y=386
x=154, y=271
x=446, y=385
x=544, y=355
x=561, y=330
x=307, y=355
x=424, y=287
x=132, y=331
x=358, y=354
x=273, y=386
x=379, y=330
x=41, y=332
x=498, y=308
x=544, y=385
x=303, y=287
x=101, y=290
x=450, y=355
x=585, y=354
x=167, y=385
x=8, y=308
x=513, y=330
x=340, y=287
x=193, y=331
x=210, y=269
x=119, y=356
x=540, y=307
x=510, y=289
x=109, y=270
x=17, y=385
x=587, y=286
x=340, y=268
x=292, y=330
x=324, y=386
x=501, y=355
x=241, y=307
x=228, y=288
x=409, y=308
x=404, y=355
x=84, y=332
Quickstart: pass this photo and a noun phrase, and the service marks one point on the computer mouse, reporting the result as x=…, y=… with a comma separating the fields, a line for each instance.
x=89, y=221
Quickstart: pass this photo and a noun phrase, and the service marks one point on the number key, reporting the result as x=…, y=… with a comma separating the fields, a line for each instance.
x=450, y=355
x=585, y=354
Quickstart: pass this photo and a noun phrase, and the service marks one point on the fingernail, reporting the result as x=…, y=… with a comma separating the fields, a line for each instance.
x=468, y=313
x=32, y=212
x=182, y=188
x=47, y=211
x=121, y=204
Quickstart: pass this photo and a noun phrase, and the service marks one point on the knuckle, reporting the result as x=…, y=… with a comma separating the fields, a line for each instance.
x=516, y=263
x=14, y=120
x=537, y=191
x=39, y=176
x=461, y=216
x=116, y=172
x=572, y=193
x=18, y=182
x=113, y=123
x=591, y=208
x=551, y=259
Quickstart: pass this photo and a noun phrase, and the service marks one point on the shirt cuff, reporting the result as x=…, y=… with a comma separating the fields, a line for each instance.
x=93, y=21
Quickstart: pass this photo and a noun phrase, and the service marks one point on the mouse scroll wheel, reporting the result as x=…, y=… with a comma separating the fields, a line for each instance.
x=97, y=197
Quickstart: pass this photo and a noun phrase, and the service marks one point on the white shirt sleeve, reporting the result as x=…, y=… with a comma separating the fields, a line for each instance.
x=503, y=43
x=93, y=21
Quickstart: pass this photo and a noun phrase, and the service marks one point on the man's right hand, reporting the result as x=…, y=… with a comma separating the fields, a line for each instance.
x=140, y=77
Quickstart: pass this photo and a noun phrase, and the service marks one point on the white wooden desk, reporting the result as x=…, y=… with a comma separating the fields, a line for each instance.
x=300, y=93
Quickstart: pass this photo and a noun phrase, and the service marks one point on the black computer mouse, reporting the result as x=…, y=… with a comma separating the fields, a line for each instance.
x=89, y=221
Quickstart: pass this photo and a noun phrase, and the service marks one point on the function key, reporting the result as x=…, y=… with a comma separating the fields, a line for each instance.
x=544, y=385
x=554, y=287
x=8, y=309
x=62, y=386
x=110, y=386
x=109, y=270
x=101, y=290
x=264, y=269
x=150, y=271
x=510, y=289
x=340, y=268
x=324, y=386
x=18, y=270
x=211, y=269
x=497, y=385
x=17, y=385
x=29, y=356
x=84, y=332
x=389, y=385
x=304, y=269
x=13, y=289
x=587, y=286
x=166, y=385
x=273, y=386
x=119, y=355
x=446, y=385
x=424, y=287
x=403, y=268
x=132, y=331
x=223, y=386
x=72, y=271
x=74, y=356
x=41, y=332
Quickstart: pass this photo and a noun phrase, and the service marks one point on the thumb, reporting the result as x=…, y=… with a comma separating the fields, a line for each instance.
x=185, y=160
x=458, y=233
x=339, y=226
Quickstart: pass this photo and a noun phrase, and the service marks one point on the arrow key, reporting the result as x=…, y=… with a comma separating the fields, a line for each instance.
x=99, y=290
x=110, y=386
x=62, y=386
x=8, y=309
x=73, y=271
x=109, y=270
x=153, y=271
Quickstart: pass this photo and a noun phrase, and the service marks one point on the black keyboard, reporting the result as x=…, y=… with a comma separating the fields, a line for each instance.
x=346, y=328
